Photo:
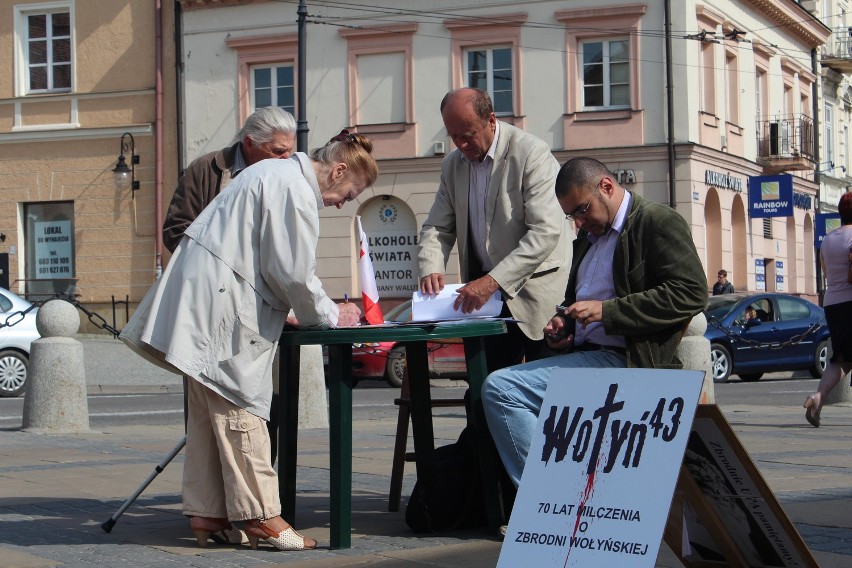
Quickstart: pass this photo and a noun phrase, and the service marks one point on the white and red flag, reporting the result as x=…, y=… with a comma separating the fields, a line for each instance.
x=369, y=290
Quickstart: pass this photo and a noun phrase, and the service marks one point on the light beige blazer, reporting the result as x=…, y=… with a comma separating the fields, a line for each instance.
x=528, y=237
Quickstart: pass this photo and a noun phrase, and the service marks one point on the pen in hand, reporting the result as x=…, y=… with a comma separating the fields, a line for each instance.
x=345, y=298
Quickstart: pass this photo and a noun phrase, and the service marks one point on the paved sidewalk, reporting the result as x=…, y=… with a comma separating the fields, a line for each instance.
x=56, y=490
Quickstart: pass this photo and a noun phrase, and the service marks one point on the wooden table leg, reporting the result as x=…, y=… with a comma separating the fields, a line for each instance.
x=340, y=443
x=288, y=429
x=477, y=371
x=420, y=404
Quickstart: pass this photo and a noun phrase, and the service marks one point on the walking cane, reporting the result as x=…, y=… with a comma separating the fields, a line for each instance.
x=109, y=523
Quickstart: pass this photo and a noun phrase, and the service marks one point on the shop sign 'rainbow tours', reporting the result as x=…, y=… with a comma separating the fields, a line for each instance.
x=602, y=468
x=770, y=196
x=824, y=224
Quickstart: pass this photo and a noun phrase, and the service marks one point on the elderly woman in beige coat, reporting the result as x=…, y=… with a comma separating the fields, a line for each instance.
x=216, y=316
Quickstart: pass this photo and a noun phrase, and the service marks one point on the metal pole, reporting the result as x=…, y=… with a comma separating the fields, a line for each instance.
x=670, y=105
x=817, y=176
x=301, y=111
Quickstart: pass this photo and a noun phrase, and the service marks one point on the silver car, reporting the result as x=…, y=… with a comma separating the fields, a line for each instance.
x=16, y=334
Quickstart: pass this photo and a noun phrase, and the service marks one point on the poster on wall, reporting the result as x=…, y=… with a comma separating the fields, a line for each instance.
x=53, y=250
x=759, y=274
x=779, y=276
x=824, y=223
x=601, y=434
x=392, y=236
x=770, y=196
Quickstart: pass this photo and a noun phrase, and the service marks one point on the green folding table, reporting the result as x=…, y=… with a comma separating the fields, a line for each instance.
x=339, y=342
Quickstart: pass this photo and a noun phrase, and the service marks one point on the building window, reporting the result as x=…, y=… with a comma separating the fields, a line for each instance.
x=733, y=90
x=767, y=227
x=829, y=134
x=46, y=47
x=266, y=71
x=486, y=54
x=273, y=85
x=50, y=249
x=490, y=69
x=605, y=73
x=708, y=78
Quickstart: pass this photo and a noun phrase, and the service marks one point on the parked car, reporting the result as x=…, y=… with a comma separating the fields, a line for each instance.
x=386, y=360
x=744, y=327
x=15, y=337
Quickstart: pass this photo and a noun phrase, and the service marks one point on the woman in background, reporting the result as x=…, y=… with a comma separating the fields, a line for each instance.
x=836, y=256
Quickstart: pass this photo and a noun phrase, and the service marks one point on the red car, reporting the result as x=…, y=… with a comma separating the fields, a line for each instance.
x=386, y=360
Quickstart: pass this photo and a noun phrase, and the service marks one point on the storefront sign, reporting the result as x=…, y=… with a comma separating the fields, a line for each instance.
x=723, y=181
x=759, y=274
x=625, y=176
x=779, y=276
x=601, y=434
x=53, y=250
x=392, y=237
x=824, y=223
x=801, y=200
x=770, y=196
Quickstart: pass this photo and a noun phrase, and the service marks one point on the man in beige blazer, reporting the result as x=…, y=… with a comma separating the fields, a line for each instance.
x=496, y=202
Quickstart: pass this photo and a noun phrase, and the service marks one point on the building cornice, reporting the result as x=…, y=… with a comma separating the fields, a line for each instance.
x=792, y=17
x=201, y=4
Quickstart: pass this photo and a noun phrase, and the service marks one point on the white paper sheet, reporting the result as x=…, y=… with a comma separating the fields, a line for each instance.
x=440, y=307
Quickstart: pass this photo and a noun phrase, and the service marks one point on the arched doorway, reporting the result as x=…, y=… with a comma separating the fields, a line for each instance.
x=810, y=266
x=788, y=279
x=739, y=245
x=713, y=235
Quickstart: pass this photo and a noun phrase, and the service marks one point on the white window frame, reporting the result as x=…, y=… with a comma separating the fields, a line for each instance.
x=607, y=83
x=829, y=133
x=22, y=66
x=489, y=73
x=274, y=87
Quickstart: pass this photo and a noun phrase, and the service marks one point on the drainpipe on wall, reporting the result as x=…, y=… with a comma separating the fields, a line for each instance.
x=158, y=130
x=670, y=105
x=817, y=176
x=178, y=40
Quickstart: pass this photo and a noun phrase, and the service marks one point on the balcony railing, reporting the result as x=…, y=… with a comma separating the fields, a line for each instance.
x=786, y=142
x=837, y=52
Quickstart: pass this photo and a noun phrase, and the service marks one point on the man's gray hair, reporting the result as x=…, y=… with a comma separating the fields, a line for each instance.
x=265, y=122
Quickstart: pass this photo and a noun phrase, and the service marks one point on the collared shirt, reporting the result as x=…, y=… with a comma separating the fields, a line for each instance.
x=594, y=277
x=480, y=175
x=239, y=161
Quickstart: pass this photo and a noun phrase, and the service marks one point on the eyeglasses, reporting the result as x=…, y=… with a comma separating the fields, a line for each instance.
x=580, y=211
x=583, y=210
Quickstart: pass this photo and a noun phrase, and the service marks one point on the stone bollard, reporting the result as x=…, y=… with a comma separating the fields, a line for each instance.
x=694, y=353
x=55, y=400
x=313, y=400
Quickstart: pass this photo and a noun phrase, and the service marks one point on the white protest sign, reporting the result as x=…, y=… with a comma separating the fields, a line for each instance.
x=602, y=468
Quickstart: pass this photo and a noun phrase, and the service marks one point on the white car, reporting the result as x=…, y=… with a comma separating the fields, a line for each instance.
x=16, y=334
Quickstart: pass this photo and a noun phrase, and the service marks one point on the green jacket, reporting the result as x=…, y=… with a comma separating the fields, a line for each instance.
x=659, y=283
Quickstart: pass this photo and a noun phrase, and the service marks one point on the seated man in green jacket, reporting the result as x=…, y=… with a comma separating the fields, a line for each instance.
x=635, y=283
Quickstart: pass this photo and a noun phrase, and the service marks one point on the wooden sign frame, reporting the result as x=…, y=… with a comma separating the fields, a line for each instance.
x=723, y=512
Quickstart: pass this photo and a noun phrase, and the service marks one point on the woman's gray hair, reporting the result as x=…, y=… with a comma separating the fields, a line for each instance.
x=265, y=122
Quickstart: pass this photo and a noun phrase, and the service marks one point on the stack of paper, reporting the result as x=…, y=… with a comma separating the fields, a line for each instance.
x=440, y=306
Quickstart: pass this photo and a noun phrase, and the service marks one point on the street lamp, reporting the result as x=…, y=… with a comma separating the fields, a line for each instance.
x=126, y=177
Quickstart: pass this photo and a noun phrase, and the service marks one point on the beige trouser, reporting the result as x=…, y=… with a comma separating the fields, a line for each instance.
x=227, y=473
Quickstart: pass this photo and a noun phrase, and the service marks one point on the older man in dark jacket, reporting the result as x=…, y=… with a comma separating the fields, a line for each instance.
x=636, y=281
